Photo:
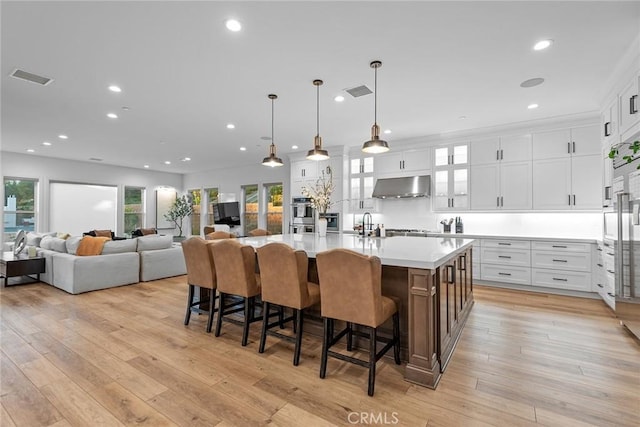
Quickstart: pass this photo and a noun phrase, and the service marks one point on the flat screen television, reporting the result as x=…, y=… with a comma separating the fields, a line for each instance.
x=226, y=213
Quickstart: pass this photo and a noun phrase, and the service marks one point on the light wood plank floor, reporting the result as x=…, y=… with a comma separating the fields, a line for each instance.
x=123, y=357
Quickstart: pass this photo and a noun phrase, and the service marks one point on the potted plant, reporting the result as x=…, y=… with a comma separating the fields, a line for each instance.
x=320, y=196
x=634, y=147
x=180, y=209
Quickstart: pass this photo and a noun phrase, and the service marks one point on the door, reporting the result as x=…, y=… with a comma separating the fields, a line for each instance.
x=484, y=151
x=553, y=144
x=418, y=161
x=586, y=179
x=585, y=140
x=485, y=186
x=515, y=148
x=515, y=185
x=552, y=183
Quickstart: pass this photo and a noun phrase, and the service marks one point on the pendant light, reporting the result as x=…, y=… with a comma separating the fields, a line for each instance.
x=317, y=153
x=375, y=144
x=272, y=160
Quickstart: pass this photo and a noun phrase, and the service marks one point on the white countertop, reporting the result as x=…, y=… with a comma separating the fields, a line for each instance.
x=512, y=237
x=400, y=251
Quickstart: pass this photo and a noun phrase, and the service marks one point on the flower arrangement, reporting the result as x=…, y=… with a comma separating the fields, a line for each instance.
x=320, y=195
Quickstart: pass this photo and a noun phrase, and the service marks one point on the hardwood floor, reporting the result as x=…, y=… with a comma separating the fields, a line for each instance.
x=123, y=357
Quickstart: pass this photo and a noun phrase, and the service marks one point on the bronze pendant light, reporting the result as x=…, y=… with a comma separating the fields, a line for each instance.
x=272, y=160
x=317, y=153
x=375, y=144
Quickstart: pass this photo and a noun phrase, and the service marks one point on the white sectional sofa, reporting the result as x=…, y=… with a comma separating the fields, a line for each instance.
x=122, y=262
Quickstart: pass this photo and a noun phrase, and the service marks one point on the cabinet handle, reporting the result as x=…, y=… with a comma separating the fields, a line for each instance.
x=504, y=274
x=632, y=104
x=600, y=265
x=574, y=146
x=504, y=256
x=609, y=271
x=498, y=201
x=611, y=295
x=569, y=198
x=599, y=249
x=610, y=253
x=600, y=286
x=559, y=279
x=574, y=200
x=502, y=201
x=497, y=154
x=568, y=148
x=501, y=154
x=451, y=274
x=504, y=244
x=607, y=130
x=559, y=260
x=560, y=246
x=462, y=260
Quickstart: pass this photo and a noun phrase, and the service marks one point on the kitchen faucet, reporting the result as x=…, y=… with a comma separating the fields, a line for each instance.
x=365, y=223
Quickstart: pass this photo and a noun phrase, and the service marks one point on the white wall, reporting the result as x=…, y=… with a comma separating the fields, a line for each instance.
x=231, y=180
x=46, y=169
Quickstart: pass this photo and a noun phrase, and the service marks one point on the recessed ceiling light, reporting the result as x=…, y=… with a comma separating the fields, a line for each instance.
x=387, y=131
x=146, y=166
x=233, y=25
x=462, y=118
x=63, y=137
x=532, y=82
x=185, y=159
x=532, y=106
x=243, y=148
x=112, y=115
x=114, y=88
x=231, y=126
x=167, y=162
x=30, y=150
x=339, y=98
x=46, y=143
x=294, y=147
x=125, y=108
x=542, y=44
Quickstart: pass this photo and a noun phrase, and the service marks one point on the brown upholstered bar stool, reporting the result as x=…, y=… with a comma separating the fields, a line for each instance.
x=283, y=274
x=259, y=232
x=200, y=272
x=351, y=291
x=236, y=275
x=216, y=235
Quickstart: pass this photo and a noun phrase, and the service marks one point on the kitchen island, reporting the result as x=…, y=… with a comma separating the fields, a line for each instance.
x=431, y=276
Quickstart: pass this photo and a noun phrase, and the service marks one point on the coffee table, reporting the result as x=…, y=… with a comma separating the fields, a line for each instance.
x=20, y=265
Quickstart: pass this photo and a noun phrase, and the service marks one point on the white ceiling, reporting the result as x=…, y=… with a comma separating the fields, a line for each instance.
x=185, y=76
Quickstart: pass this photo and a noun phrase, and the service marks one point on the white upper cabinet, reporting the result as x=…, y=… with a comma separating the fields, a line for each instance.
x=450, y=177
x=404, y=163
x=504, y=149
x=361, y=183
x=629, y=104
x=566, y=142
x=609, y=126
x=501, y=186
x=303, y=170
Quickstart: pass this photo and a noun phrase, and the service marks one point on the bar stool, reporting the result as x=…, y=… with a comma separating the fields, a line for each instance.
x=201, y=272
x=236, y=275
x=209, y=229
x=283, y=273
x=351, y=291
x=216, y=235
x=259, y=232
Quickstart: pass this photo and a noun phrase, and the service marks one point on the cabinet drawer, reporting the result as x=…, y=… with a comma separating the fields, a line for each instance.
x=508, y=244
x=561, y=260
x=518, y=257
x=571, y=280
x=561, y=246
x=501, y=273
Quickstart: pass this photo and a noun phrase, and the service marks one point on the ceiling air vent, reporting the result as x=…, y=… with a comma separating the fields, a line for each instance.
x=358, y=91
x=95, y=159
x=33, y=78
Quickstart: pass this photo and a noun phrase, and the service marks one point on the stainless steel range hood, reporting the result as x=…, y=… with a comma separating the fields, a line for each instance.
x=410, y=186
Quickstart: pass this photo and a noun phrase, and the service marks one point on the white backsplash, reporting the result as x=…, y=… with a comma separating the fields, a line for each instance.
x=416, y=213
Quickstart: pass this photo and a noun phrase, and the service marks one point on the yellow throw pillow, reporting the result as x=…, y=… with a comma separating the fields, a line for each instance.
x=63, y=236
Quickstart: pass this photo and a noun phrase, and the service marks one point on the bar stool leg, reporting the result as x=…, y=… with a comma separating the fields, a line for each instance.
x=220, y=315
x=296, y=352
x=372, y=361
x=247, y=320
x=212, y=305
x=265, y=321
x=189, y=302
x=281, y=316
x=349, y=336
x=325, y=349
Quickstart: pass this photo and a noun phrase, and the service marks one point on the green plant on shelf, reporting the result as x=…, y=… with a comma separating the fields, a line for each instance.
x=634, y=148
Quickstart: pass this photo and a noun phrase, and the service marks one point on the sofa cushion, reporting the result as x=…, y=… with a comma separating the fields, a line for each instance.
x=54, y=244
x=153, y=242
x=119, y=246
x=72, y=244
x=34, y=239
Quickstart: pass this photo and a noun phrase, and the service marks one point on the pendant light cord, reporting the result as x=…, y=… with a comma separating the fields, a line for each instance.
x=272, y=143
x=375, y=95
x=317, y=110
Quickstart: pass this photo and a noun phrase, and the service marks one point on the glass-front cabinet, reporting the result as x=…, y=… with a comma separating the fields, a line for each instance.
x=451, y=177
x=361, y=184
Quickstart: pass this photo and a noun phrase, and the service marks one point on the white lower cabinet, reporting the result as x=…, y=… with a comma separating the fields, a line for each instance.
x=570, y=280
x=511, y=257
x=503, y=273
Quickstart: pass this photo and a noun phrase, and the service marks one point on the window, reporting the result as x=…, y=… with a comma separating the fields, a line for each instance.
x=212, y=198
x=19, y=206
x=77, y=208
x=133, y=208
x=250, y=207
x=274, y=207
x=195, y=196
